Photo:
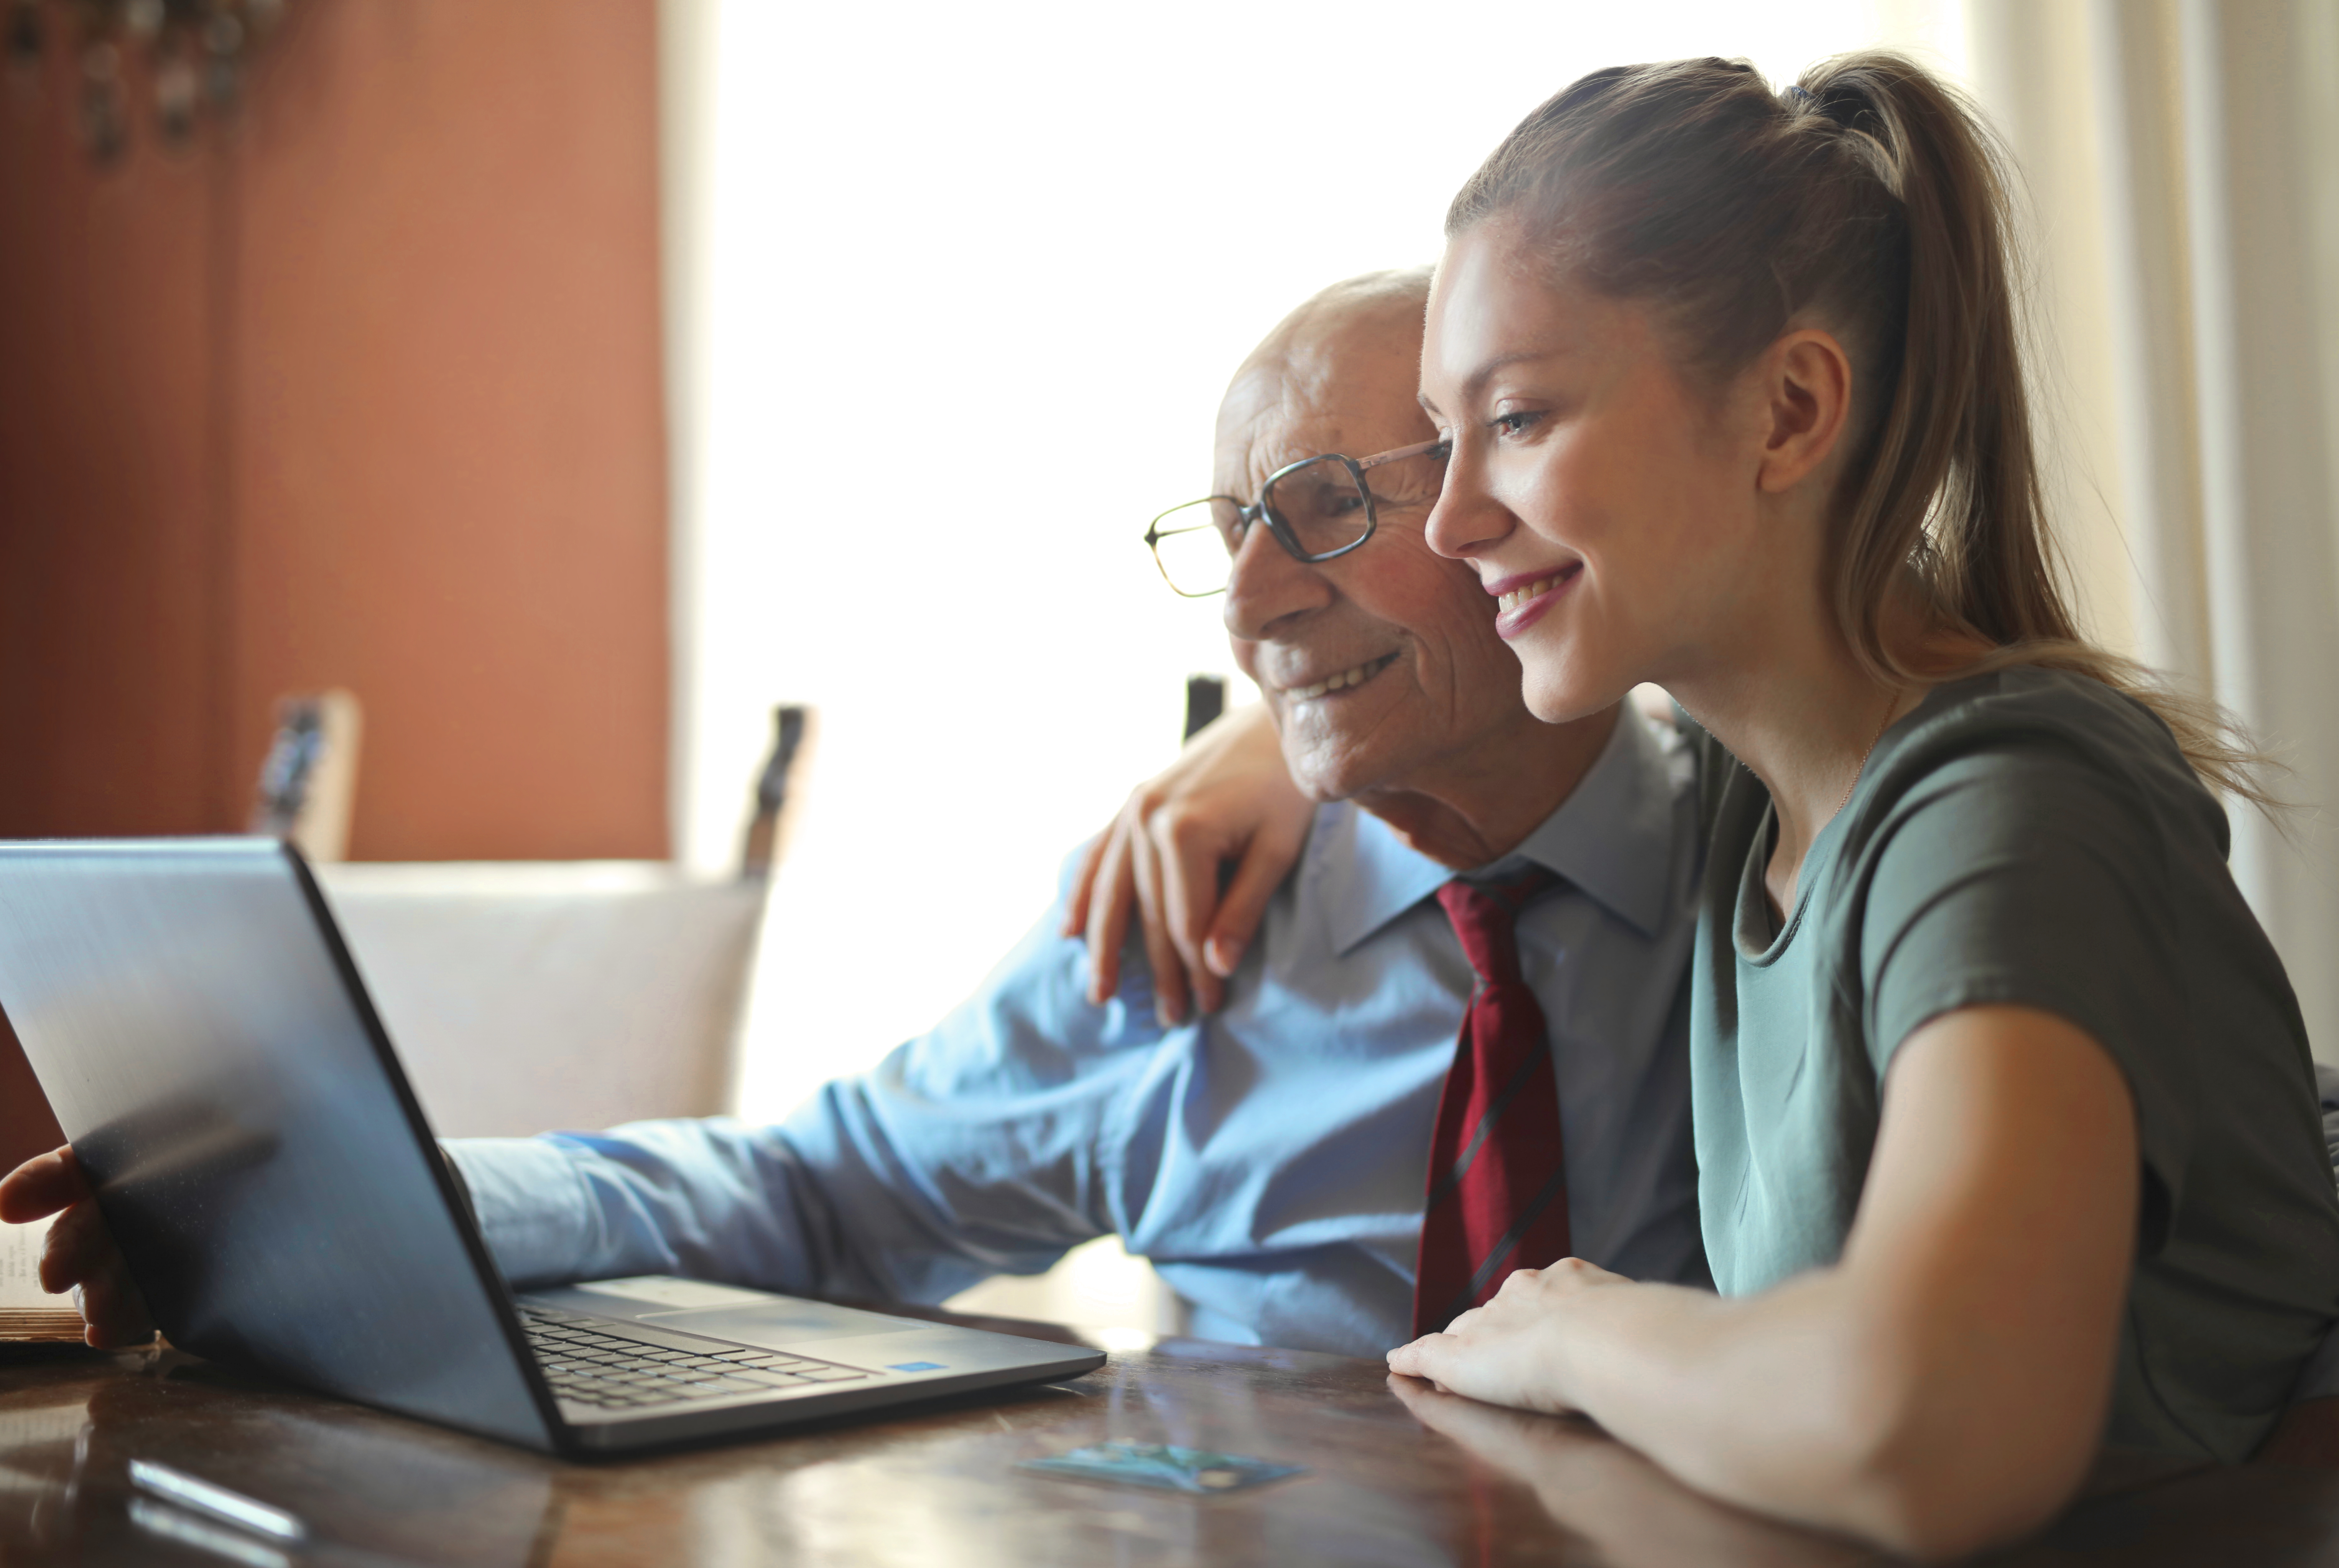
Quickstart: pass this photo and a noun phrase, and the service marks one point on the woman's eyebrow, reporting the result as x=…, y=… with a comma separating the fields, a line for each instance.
x=1476, y=381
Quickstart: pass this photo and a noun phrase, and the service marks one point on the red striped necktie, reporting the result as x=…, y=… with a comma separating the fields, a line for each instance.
x=1497, y=1181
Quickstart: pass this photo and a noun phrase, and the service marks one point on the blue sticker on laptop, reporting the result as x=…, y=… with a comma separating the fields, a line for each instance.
x=915, y=1366
x=1166, y=1468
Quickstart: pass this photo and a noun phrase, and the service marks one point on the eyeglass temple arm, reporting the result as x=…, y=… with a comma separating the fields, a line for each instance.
x=1420, y=448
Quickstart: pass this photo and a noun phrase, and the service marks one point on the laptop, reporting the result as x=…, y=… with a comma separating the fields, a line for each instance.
x=198, y=1028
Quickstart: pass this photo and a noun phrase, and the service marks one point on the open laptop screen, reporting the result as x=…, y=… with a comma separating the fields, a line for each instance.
x=256, y=1153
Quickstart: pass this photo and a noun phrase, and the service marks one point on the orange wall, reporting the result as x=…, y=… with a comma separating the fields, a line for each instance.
x=364, y=390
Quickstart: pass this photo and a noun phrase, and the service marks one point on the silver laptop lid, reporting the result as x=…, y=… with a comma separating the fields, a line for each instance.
x=200, y=1032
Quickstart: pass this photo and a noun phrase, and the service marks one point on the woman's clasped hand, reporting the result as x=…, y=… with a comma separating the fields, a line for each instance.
x=1508, y=1351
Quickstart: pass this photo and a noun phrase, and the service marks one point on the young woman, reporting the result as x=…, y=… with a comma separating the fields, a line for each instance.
x=2006, y=1126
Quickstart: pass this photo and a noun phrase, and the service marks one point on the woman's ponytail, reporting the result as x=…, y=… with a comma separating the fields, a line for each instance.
x=1870, y=197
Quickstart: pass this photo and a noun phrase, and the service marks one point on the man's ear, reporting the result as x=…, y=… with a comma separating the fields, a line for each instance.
x=1806, y=384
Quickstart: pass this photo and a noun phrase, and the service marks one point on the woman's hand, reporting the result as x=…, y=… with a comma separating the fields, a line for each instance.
x=1226, y=798
x=1509, y=1351
x=79, y=1255
x=1940, y=1388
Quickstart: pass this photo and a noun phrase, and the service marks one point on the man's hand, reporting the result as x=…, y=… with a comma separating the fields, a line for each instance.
x=79, y=1254
x=1506, y=1352
x=1228, y=797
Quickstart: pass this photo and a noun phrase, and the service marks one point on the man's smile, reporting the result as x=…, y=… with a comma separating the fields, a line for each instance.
x=1355, y=676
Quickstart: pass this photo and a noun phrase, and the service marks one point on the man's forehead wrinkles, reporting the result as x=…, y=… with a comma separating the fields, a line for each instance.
x=1278, y=443
x=1281, y=424
x=1253, y=406
x=1330, y=380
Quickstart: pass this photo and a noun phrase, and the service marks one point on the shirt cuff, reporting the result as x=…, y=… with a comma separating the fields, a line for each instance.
x=530, y=1203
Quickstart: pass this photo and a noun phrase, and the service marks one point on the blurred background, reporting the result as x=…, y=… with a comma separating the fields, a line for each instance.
x=573, y=383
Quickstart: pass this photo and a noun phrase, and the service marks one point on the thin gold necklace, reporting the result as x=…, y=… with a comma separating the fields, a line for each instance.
x=1891, y=702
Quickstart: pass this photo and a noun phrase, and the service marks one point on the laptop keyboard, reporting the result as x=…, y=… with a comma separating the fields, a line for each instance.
x=589, y=1365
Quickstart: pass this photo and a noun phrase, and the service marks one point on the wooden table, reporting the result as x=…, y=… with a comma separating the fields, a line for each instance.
x=1396, y=1475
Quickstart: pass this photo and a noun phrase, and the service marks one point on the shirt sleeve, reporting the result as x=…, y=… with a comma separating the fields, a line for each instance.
x=974, y=1149
x=2026, y=877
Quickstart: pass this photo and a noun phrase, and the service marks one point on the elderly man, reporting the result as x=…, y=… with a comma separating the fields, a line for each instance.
x=1474, y=871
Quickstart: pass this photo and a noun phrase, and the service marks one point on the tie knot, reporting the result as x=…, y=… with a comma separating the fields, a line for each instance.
x=1485, y=917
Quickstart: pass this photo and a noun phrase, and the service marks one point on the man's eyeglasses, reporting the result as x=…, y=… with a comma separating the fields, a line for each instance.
x=1318, y=508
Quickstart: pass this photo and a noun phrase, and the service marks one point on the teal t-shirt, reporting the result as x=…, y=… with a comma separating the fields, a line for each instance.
x=2030, y=837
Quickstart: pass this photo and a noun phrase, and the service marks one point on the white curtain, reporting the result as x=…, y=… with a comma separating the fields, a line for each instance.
x=2181, y=160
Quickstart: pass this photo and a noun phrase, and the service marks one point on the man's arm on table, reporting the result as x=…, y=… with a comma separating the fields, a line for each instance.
x=978, y=1148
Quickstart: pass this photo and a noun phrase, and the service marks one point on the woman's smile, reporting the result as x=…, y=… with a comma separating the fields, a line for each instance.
x=1523, y=600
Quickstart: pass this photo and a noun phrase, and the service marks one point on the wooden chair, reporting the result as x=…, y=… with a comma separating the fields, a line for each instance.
x=533, y=996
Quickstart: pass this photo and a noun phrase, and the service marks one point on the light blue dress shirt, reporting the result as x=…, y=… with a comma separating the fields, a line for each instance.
x=1270, y=1160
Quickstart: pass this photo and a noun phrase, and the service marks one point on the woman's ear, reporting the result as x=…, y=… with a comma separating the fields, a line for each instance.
x=1806, y=382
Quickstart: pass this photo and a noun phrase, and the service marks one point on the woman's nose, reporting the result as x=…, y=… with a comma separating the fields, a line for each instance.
x=1468, y=519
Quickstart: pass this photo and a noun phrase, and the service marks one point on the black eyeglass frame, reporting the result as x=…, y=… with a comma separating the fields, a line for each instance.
x=1263, y=510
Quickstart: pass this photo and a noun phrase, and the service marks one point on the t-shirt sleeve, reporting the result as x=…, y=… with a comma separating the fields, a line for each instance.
x=2027, y=877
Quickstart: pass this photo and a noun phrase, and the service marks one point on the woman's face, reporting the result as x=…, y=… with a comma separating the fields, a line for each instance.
x=1609, y=506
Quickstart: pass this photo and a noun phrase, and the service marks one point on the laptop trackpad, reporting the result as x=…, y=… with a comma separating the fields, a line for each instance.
x=779, y=1322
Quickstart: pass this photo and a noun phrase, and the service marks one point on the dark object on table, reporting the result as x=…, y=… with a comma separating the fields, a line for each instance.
x=1206, y=699
x=308, y=782
x=790, y=721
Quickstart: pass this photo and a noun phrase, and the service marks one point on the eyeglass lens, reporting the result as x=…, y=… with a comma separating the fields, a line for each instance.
x=1318, y=503
x=1196, y=544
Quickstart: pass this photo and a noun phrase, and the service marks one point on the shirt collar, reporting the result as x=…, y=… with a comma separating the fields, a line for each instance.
x=1612, y=838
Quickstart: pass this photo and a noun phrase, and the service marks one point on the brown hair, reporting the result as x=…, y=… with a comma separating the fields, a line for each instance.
x=1872, y=200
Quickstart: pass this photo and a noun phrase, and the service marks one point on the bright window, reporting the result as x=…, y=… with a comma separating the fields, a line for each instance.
x=972, y=284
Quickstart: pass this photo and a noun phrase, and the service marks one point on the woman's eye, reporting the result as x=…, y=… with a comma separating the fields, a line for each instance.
x=1515, y=424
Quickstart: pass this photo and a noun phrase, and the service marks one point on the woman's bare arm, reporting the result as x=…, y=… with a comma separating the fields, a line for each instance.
x=1943, y=1386
x=1228, y=798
